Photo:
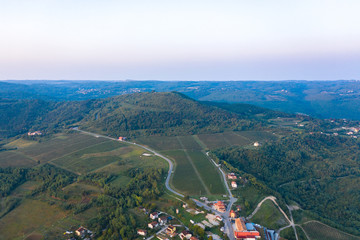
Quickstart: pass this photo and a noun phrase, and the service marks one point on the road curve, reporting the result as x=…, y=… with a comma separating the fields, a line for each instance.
x=171, y=165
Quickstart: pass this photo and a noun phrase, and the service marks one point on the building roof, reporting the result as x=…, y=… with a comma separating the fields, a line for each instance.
x=171, y=227
x=153, y=223
x=240, y=225
x=250, y=227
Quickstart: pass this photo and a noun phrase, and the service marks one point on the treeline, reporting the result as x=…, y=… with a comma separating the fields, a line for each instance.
x=51, y=178
x=10, y=178
x=319, y=172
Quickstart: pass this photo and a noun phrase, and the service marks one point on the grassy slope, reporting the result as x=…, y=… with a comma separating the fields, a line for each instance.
x=269, y=216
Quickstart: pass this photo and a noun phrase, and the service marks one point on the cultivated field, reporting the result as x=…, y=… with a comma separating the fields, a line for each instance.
x=93, y=157
x=194, y=173
x=15, y=159
x=319, y=231
x=269, y=216
x=185, y=178
x=59, y=146
x=31, y=216
x=160, y=143
x=208, y=172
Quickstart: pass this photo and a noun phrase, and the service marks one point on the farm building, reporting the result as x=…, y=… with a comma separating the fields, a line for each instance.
x=231, y=176
x=141, y=232
x=153, y=225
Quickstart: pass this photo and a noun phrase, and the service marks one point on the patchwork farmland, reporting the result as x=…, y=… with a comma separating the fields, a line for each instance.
x=194, y=173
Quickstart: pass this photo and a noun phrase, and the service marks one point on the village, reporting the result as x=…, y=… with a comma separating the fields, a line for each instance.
x=216, y=219
x=164, y=227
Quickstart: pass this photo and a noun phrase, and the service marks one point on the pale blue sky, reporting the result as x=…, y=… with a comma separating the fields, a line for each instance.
x=180, y=40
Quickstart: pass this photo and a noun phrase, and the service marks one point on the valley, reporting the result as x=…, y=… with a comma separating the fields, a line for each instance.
x=180, y=164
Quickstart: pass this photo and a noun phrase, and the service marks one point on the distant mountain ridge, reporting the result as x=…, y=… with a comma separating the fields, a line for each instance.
x=323, y=99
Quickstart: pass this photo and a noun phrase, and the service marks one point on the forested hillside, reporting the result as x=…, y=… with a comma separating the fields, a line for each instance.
x=323, y=99
x=319, y=172
x=130, y=115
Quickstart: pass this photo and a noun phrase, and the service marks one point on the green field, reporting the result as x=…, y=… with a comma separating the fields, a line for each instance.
x=319, y=231
x=269, y=216
x=160, y=143
x=93, y=157
x=185, y=178
x=31, y=216
x=194, y=173
x=208, y=172
x=248, y=197
x=15, y=159
x=59, y=146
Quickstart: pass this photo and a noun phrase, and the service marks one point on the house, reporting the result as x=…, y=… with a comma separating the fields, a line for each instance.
x=194, y=238
x=233, y=184
x=256, y=144
x=153, y=225
x=141, y=232
x=162, y=220
x=34, y=133
x=232, y=214
x=81, y=232
x=154, y=215
x=218, y=218
x=204, y=199
x=185, y=234
x=231, y=176
x=170, y=230
x=220, y=206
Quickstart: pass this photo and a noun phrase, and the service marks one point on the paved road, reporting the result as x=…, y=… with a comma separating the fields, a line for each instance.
x=171, y=165
x=226, y=215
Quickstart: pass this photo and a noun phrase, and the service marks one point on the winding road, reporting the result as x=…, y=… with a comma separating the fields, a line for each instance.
x=225, y=215
x=171, y=165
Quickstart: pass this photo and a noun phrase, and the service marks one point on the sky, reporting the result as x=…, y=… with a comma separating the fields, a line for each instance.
x=180, y=40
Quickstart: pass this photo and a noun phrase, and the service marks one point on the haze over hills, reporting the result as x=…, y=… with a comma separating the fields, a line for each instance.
x=323, y=99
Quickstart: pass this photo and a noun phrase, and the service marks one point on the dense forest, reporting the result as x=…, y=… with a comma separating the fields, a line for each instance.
x=318, y=171
x=135, y=114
